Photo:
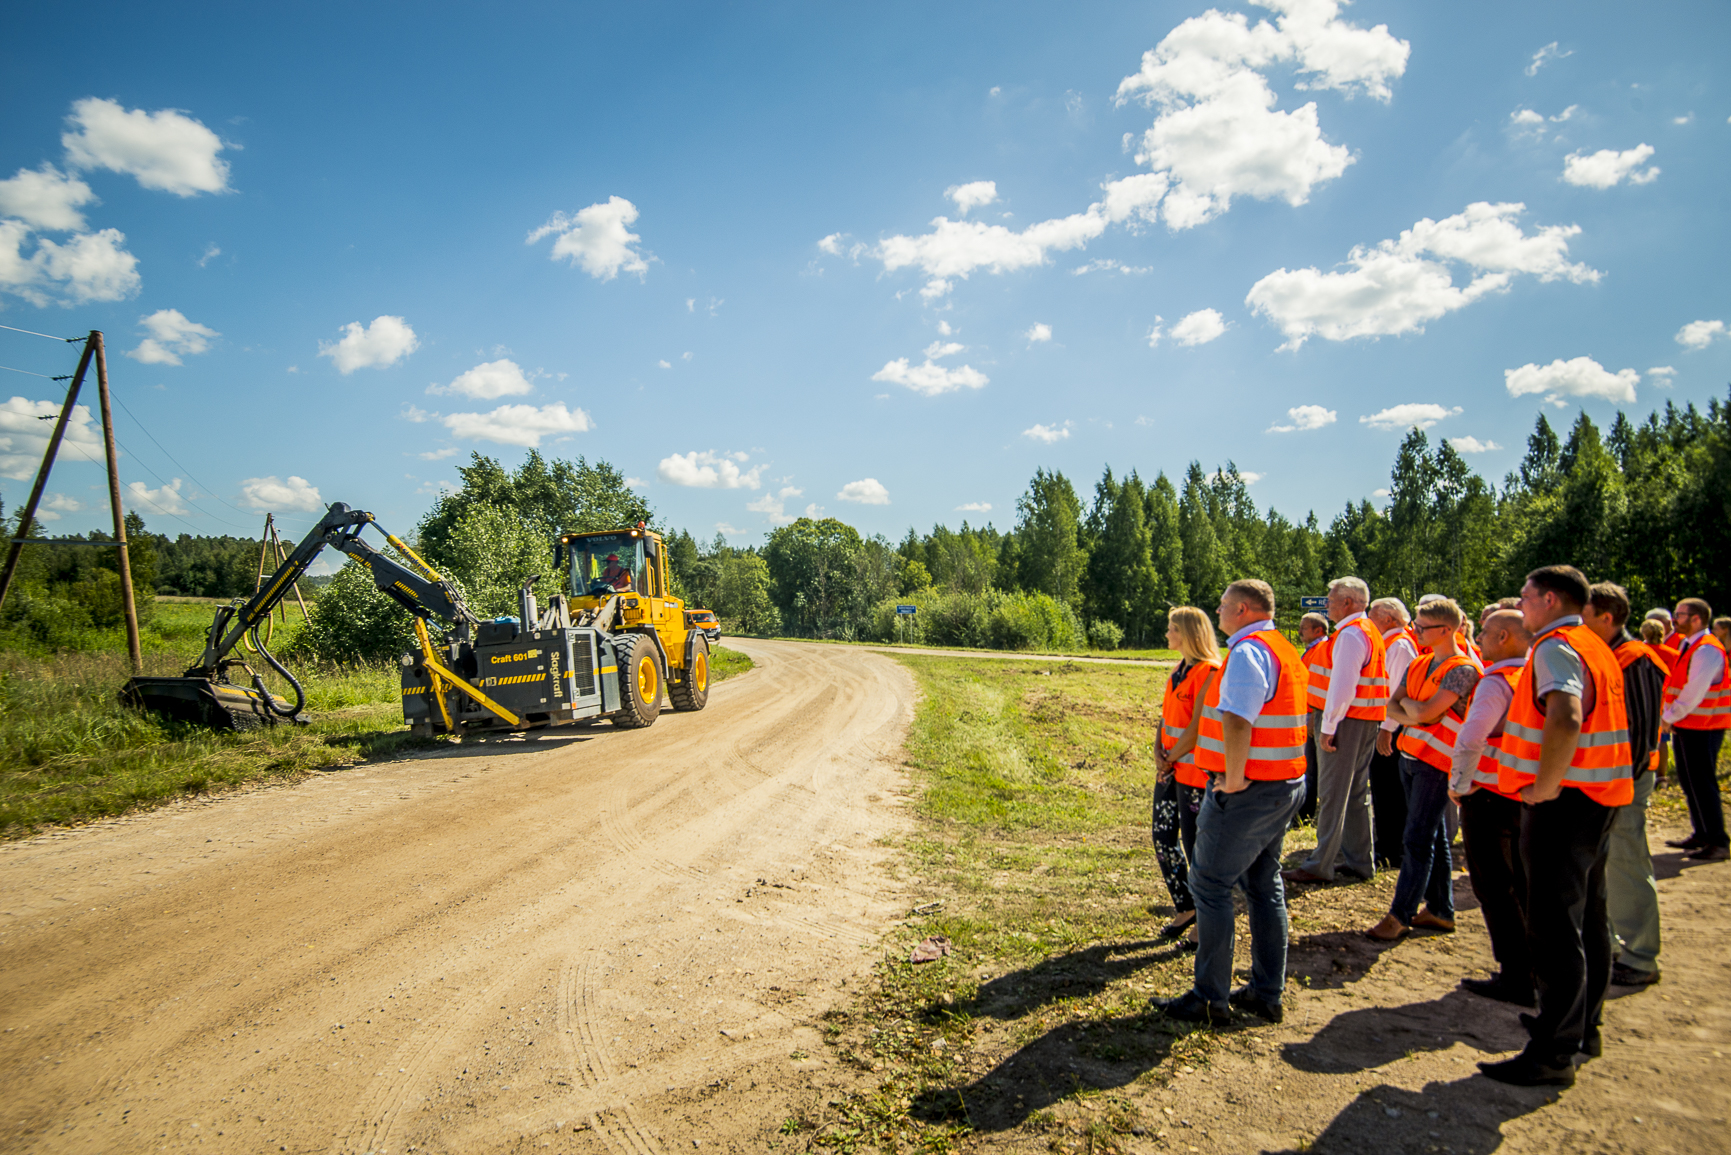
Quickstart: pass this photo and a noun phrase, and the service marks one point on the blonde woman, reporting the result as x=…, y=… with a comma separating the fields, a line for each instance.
x=1180, y=785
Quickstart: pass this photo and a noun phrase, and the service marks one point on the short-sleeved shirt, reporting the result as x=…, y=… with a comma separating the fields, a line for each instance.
x=1460, y=682
x=1247, y=682
x=1557, y=666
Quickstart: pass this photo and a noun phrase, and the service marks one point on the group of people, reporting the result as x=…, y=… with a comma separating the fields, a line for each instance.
x=1538, y=737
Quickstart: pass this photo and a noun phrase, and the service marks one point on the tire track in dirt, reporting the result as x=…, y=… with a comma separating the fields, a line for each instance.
x=465, y=950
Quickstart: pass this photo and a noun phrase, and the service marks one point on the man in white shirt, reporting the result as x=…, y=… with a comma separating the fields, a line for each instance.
x=1345, y=728
x=1694, y=717
x=1387, y=794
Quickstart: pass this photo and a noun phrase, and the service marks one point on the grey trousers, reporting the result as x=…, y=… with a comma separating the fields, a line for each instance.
x=1631, y=895
x=1343, y=839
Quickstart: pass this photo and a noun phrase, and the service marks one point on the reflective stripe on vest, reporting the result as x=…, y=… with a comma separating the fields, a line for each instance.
x=1432, y=744
x=1370, y=695
x=1487, y=770
x=1713, y=712
x=1601, y=766
x=1277, y=733
x=1175, y=711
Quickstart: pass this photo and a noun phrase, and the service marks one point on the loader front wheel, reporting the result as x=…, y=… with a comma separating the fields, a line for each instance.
x=639, y=682
x=693, y=692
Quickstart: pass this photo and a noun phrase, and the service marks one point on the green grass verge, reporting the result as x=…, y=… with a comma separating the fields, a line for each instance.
x=916, y=647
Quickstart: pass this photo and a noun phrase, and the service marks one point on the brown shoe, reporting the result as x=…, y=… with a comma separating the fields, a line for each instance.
x=1425, y=918
x=1709, y=854
x=1300, y=875
x=1689, y=843
x=1390, y=929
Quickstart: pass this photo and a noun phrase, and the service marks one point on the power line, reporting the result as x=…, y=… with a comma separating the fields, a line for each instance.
x=30, y=373
x=176, y=460
x=34, y=333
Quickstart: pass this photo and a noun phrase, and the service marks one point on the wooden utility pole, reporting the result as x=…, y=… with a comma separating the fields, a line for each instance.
x=28, y=518
x=128, y=603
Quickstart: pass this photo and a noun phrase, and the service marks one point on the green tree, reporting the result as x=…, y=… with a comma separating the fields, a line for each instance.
x=1122, y=586
x=812, y=565
x=1051, y=560
x=1205, y=573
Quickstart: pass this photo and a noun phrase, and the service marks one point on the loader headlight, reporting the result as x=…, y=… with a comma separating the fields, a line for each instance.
x=408, y=661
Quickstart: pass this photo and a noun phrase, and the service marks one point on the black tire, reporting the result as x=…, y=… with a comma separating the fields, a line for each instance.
x=639, y=682
x=692, y=691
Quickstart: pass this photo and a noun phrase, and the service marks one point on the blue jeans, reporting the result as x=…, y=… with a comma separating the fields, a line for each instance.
x=1238, y=842
x=1427, y=865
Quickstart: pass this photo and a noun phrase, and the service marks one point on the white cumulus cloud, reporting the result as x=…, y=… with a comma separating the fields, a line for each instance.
x=958, y=248
x=1305, y=417
x=866, y=491
x=1608, y=167
x=488, y=381
x=1199, y=327
x=1413, y=415
x=272, y=493
x=523, y=425
x=384, y=342
x=975, y=507
x=46, y=198
x=1048, y=433
x=1398, y=285
x=1700, y=334
x=932, y=378
x=165, y=150
x=706, y=469
x=87, y=267
x=1577, y=377
x=597, y=239
x=1545, y=55
x=172, y=337
x=774, y=506
x=1473, y=445
x=1038, y=332
x=1662, y=375
x=163, y=499
x=973, y=195
x=24, y=436
x=54, y=506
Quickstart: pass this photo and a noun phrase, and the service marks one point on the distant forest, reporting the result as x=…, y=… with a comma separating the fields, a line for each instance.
x=1646, y=504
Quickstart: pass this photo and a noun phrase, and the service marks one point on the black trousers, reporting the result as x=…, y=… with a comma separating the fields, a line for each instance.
x=1698, y=771
x=1491, y=829
x=1307, y=812
x=1174, y=833
x=1563, y=844
x=1388, y=809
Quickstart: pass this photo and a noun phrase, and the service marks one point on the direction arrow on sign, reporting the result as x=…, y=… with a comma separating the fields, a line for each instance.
x=1310, y=604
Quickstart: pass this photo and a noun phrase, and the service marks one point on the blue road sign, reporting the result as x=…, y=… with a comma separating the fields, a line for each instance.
x=1309, y=604
x=907, y=609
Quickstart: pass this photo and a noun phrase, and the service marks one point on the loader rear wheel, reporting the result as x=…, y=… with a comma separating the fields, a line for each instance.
x=693, y=692
x=639, y=682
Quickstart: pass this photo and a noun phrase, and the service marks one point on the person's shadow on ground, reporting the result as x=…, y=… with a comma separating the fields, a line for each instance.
x=1363, y=1039
x=1077, y=974
x=1464, y=1117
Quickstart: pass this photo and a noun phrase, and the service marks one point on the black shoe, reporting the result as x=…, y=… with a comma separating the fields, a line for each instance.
x=1690, y=843
x=1525, y=1071
x=1191, y=1007
x=1502, y=989
x=1592, y=1043
x=1626, y=976
x=1243, y=1000
x=1709, y=854
x=1175, y=928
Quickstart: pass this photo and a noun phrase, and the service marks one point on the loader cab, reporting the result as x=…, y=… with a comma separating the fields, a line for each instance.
x=640, y=568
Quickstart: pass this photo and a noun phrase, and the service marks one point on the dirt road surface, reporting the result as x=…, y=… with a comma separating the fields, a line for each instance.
x=601, y=941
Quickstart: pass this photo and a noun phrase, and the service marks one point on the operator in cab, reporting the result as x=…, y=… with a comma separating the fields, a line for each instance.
x=615, y=574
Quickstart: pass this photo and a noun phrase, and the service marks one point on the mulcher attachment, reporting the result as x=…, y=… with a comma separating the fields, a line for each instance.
x=203, y=702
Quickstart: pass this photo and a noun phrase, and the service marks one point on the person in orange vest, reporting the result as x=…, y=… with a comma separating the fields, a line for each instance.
x=1387, y=793
x=1347, y=696
x=1490, y=819
x=1178, y=782
x=1653, y=633
x=1251, y=745
x=1566, y=753
x=1312, y=631
x=1430, y=704
x=1697, y=713
x=1631, y=892
x=1673, y=640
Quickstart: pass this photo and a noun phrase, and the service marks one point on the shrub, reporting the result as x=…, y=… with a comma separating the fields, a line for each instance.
x=1105, y=635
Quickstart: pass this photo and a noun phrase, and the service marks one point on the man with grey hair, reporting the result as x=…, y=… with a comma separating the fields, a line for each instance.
x=1387, y=792
x=1347, y=696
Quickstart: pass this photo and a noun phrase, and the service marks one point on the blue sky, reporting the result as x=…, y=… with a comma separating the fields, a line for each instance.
x=881, y=264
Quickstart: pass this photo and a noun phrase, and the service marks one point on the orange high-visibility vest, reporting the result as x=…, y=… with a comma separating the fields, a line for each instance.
x=1487, y=772
x=1601, y=766
x=1628, y=652
x=1434, y=745
x=1176, y=709
x=1370, y=695
x=1668, y=656
x=1674, y=640
x=1714, y=710
x=1277, y=734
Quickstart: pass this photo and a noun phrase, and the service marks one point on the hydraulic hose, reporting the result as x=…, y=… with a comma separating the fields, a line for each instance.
x=269, y=700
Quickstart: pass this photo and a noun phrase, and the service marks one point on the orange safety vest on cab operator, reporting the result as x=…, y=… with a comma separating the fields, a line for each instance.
x=1488, y=771
x=1628, y=652
x=1176, y=709
x=1434, y=745
x=1277, y=734
x=1370, y=696
x=1601, y=766
x=1714, y=710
